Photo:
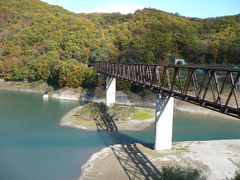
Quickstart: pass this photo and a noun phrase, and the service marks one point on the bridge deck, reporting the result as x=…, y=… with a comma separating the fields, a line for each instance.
x=210, y=87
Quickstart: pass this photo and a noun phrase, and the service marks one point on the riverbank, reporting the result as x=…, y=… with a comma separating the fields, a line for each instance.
x=98, y=95
x=212, y=159
x=24, y=87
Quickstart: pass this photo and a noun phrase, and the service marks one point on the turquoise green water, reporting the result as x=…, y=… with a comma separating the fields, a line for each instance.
x=34, y=147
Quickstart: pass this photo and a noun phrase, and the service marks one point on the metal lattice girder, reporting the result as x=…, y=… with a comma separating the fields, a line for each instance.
x=210, y=87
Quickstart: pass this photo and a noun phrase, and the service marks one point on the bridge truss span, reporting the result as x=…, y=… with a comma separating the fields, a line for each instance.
x=214, y=88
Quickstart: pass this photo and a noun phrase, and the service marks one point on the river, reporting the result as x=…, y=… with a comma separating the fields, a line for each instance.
x=34, y=147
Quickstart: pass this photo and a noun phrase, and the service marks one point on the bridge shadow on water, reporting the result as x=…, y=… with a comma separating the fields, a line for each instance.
x=135, y=164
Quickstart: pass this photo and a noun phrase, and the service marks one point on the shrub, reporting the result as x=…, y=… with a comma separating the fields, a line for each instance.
x=237, y=175
x=73, y=74
x=181, y=173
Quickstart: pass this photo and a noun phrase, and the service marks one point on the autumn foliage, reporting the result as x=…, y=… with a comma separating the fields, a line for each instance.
x=39, y=41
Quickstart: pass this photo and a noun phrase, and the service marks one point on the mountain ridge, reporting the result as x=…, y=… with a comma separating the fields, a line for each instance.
x=35, y=36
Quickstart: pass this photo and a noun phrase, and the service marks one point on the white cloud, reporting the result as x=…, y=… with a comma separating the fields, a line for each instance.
x=123, y=9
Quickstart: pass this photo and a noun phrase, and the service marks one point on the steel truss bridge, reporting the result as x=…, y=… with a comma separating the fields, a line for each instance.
x=214, y=88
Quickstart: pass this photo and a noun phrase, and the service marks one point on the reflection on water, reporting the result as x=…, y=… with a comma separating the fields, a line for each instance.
x=34, y=147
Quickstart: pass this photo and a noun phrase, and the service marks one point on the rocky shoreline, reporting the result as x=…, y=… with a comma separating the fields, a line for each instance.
x=121, y=98
x=22, y=89
x=214, y=159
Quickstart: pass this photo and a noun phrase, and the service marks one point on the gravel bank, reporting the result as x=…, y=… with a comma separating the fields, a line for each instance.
x=216, y=160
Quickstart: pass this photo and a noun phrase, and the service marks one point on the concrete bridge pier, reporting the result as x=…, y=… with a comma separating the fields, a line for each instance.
x=111, y=91
x=163, y=115
x=164, y=122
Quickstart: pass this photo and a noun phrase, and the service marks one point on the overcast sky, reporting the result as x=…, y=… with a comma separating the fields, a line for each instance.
x=190, y=8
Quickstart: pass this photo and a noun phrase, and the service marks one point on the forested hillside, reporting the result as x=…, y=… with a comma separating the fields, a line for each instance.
x=44, y=42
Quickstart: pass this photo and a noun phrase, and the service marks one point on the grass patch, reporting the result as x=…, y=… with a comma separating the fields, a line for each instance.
x=141, y=115
x=120, y=114
x=83, y=122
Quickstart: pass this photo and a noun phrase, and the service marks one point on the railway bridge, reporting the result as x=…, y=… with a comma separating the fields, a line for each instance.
x=215, y=88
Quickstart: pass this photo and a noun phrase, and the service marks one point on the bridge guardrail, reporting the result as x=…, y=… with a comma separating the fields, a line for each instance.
x=210, y=87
